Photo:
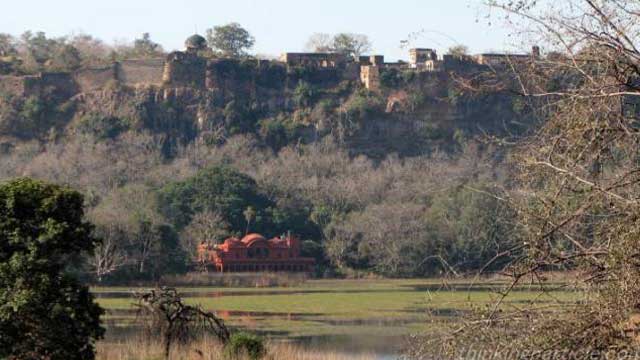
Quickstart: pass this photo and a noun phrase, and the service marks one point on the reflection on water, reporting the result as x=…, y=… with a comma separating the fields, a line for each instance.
x=375, y=336
x=122, y=325
x=378, y=332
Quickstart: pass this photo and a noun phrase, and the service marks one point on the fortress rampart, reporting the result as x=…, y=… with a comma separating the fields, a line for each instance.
x=141, y=72
x=61, y=84
x=189, y=69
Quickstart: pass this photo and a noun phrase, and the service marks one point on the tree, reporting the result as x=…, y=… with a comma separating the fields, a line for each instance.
x=92, y=51
x=38, y=49
x=230, y=40
x=65, y=58
x=274, y=133
x=144, y=47
x=458, y=50
x=109, y=256
x=238, y=117
x=209, y=226
x=320, y=42
x=471, y=228
x=136, y=238
x=304, y=94
x=218, y=189
x=388, y=238
x=44, y=311
x=164, y=314
x=165, y=255
x=352, y=45
x=249, y=215
x=577, y=181
x=7, y=45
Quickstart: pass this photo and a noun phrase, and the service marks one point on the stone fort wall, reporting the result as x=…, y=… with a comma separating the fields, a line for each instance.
x=95, y=79
x=141, y=72
x=128, y=73
x=61, y=84
x=188, y=69
x=184, y=69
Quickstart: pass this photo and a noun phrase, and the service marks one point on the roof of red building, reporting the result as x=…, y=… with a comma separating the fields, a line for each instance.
x=233, y=242
x=251, y=238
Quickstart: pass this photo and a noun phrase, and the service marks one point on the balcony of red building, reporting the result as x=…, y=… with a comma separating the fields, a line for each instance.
x=254, y=253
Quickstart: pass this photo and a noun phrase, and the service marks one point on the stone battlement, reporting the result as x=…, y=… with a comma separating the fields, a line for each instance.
x=189, y=69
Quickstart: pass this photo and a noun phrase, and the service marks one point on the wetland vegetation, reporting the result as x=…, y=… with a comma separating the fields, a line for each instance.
x=355, y=317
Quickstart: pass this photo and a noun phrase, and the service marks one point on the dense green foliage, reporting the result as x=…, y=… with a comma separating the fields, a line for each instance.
x=243, y=345
x=230, y=40
x=44, y=311
x=102, y=127
x=364, y=103
x=218, y=189
x=32, y=116
x=237, y=198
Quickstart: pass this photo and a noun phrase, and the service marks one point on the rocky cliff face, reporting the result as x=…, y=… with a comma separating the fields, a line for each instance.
x=411, y=114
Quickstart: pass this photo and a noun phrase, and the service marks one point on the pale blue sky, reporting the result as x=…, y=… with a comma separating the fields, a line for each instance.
x=278, y=25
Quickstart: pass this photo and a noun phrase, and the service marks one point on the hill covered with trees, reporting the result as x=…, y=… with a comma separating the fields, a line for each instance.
x=389, y=181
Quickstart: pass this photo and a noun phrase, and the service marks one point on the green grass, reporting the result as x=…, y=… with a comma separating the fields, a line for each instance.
x=362, y=307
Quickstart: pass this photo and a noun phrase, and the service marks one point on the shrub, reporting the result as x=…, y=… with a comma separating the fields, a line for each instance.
x=280, y=131
x=391, y=78
x=433, y=132
x=304, y=94
x=455, y=96
x=327, y=105
x=239, y=118
x=272, y=76
x=33, y=108
x=103, y=127
x=242, y=344
x=274, y=133
x=364, y=103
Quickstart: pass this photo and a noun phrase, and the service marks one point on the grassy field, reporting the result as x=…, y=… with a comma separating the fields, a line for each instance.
x=349, y=307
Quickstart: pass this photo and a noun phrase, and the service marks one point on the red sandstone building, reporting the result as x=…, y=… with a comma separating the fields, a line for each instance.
x=254, y=253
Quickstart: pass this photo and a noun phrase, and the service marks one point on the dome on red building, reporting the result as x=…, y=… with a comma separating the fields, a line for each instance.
x=255, y=253
x=252, y=238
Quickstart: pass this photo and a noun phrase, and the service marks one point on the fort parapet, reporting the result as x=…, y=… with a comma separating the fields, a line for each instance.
x=62, y=85
x=189, y=69
x=323, y=60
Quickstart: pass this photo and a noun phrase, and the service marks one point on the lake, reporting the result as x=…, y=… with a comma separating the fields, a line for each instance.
x=351, y=317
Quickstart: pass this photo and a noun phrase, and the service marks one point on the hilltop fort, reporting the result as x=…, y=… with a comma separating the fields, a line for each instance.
x=372, y=106
x=189, y=69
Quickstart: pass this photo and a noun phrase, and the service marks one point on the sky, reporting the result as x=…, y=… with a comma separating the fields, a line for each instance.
x=278, y=25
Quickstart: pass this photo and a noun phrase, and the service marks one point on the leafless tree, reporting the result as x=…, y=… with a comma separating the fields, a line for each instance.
x=348, y=44
x=319, y=42
x=163, y=311
x=206, y=226
x=108, y=256
x=577, y=179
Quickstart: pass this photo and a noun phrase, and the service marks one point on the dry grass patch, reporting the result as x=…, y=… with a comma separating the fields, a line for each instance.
x=206, y=349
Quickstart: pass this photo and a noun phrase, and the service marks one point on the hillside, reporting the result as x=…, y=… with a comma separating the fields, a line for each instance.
x=344, y=154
